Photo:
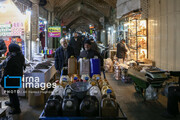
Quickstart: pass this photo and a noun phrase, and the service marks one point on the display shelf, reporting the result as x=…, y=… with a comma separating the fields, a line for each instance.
x=137, y=39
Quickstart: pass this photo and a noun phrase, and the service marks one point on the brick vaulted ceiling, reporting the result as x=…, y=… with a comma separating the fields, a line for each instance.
x=81, y=13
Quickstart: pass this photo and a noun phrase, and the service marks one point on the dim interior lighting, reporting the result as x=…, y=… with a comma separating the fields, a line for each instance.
x=103, y=30
x=109, y=28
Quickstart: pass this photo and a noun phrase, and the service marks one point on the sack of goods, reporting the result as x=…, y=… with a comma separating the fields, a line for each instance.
x=124, y=76
x=117, y=72
x=72, y=65
x=151, y=93
x=95, y=66
x=108, y=65
x=84, y=66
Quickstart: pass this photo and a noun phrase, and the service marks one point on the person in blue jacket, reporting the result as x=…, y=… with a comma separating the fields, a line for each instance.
x=62, y=54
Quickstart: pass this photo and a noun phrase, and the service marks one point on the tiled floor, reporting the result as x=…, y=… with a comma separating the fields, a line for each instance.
x=131, y=103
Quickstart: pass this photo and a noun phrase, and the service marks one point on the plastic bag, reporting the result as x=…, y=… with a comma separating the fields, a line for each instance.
x=151, y=93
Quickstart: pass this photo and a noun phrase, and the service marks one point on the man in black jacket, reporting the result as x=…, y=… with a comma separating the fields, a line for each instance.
x=76, y=44
x=89, y=52
x=3, y=47
x=121, y=50
x=15, y=63
x=62, y=54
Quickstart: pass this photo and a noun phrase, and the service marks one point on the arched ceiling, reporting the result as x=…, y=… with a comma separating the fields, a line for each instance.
x=81, y=12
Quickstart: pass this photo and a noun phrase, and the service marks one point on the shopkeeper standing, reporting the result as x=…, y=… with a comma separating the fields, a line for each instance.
x=62, y=54
x=89, y=52
x=121, y=50
x=3, y=47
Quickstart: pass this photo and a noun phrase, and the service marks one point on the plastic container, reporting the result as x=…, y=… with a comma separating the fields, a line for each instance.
x=72, y=65
x=95, y=91
x=80, y=89
x=85, y=77
x=84, y=66
x=93, y=82
x=74, y=78
x=96, y=77
x=109, y=106
x=104, y=92
x=89, y=106
x=95, y=66
x=70, y=105
x=58, y=90
x=53, y=106
x=103, y=83
x=65, y=80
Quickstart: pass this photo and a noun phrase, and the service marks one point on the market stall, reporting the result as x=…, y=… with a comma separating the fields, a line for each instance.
x=12, y=24
x=81, y=93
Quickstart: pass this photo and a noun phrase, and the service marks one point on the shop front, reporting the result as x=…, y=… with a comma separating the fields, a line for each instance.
x=13, y=25
x=133, y=30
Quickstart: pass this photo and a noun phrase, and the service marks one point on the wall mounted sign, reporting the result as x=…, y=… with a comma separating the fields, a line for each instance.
x=14, y=29
x=54, y=31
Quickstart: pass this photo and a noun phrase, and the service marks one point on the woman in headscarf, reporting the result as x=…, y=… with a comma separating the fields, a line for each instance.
x=13, y=66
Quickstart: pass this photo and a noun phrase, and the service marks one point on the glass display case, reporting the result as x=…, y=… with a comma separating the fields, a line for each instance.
x=137, y=38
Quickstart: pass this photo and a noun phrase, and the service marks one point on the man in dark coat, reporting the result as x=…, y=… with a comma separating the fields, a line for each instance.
x=89, y=52
x=83, y=39
x=121, y=50
x=94, y=45
x=13, y=66
x=76, y=44
x=62, y=54
x=3, y=47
